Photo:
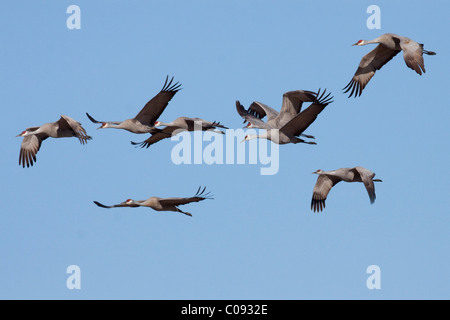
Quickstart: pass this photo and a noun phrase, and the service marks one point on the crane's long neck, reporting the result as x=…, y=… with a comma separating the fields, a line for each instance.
x=113, y=126
x=33, y=133
x=374, y=41
x=264, y=135
x=170, y=124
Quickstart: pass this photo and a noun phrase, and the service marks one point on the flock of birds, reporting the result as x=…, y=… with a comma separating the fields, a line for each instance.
x=283, y=127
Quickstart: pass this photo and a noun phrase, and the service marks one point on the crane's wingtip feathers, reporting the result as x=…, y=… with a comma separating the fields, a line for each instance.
x=201, y=194
x=100, y=205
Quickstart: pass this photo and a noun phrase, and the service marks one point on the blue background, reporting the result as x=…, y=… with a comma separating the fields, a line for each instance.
x=258, y=239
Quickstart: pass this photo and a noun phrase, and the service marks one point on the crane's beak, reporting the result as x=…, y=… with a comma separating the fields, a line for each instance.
x=355, y=44
x=19, y=135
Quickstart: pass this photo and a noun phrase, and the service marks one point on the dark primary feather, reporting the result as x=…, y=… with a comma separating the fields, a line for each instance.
x=96, y=121
x=248, y=117
x=155, y=107
x=168, y=132
x=261, y=110
x=165, y=133
x=370, y=63
x=67, y=124
x=215, y=125
x=303, y=120
x=199, y=196
x=92, y=119
x=120, y=205
x=293, y=100
x=102, y=205
x=30, y=147
x=321, y=189
x=195, y=123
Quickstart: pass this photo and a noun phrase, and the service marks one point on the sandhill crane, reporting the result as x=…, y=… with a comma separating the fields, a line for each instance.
x=328, y=179
x=290, y=131
x=144, y=121
x=292, y=104
x=178, y=125
x=389, y=45
x=65, y=127
x=160, y=204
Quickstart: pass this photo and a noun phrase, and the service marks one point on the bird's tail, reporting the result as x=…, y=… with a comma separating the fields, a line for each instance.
x=377, y=180
x=430, y=53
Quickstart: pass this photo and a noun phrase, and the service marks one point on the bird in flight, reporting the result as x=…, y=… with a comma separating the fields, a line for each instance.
x=179, y=125
x=290, y=132
x=163, y=204
x=65, y=127
x=389, y=45
x=328, y=179
x=291, y=106
x=145, y=120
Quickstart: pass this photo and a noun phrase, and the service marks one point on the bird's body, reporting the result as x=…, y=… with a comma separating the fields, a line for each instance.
x=328, y=179
x=65, y=127
x=191, y=124
x=290, y=132
x=179, y=125
x=291, y=107
x=389, y=45
x=146, y=118
x=162, y=204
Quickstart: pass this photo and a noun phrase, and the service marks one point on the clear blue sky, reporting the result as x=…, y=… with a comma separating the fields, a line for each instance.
x=258, y=239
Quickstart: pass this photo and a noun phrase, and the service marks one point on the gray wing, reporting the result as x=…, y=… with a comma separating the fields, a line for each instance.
x=120, y=205
x=101, y=122
x=70, y=127
x=155, y=107
x=413, y=55
x=293, y=101
x=321, y=189
x=165, y=133
x=251, y=118
x=199, y=196
x=261, y=110
x=367, y=179
x=370, y=63
x=30, y=147
x=302, y=121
